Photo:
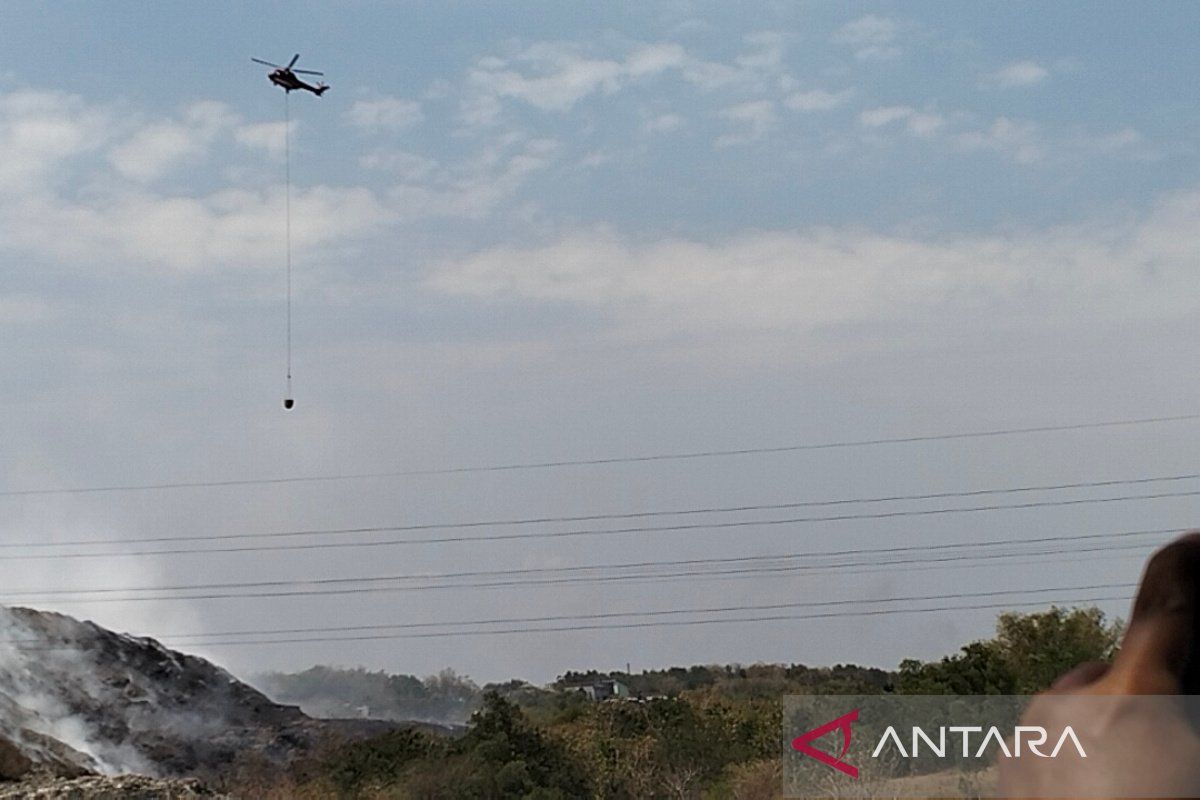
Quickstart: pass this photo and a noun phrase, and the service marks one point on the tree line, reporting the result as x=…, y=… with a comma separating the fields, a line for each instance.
x=703, y=732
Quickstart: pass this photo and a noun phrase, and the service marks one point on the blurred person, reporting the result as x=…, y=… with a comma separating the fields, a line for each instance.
x=1142, y=741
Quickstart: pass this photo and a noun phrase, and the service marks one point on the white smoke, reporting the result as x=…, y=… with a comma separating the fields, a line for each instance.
x=39, y=671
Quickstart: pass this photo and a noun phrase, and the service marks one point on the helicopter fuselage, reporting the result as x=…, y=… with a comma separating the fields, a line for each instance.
x=287, y=80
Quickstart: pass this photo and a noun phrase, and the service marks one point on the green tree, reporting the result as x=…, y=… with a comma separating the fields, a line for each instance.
x=515, y=758
x=1041, y=646
x=380, y=761
x=979, y=668
x=1027, y=654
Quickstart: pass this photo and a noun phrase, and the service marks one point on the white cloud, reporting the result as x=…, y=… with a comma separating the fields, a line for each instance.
x=918, y=123
x=565, y=83
x=267, y=137
x=480, y=108
x=231, y=228
x=596, y=159
x=754, y=119
x=653, y=59
x=385, y=114
x=871, y=36
x=41, y=132
x=555, y=76
x=210, y=115
x=150, y=149
x=1022, y=141
x=153, y=150
x=757, y=69
x=559, y=76
x=1016, y=139
x=817, y=99
x=884, y=115
x=925, y=124
x=1112, y=142
x=120, y=222
x=769, y=280
x=24, y=309
x=798, y=282
x=157, y=147
x=409, y=167
x=124, y=222
x=663, y=123
x=766, y=54
x=712, y=75
x=1020, y=73
x=476, y=188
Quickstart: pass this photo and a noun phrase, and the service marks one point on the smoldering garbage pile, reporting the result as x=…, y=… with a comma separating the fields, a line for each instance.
x=79, y=702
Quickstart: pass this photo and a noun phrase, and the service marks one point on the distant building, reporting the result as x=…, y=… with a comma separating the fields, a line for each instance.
x=604, y=690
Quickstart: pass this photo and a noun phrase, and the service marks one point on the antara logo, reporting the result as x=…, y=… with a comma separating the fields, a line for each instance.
x=1031, y=736
x=1025, y=738
x=843, y=723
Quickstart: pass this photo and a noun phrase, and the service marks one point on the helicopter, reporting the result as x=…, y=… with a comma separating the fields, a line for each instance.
x=285, y=77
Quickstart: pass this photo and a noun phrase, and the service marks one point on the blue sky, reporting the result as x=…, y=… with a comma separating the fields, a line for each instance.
x=548, y=230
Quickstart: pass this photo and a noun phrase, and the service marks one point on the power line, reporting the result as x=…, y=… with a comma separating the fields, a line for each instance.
x=56, y=596
x=871, y=551
x=653, y=614
x=1008, y=606
x=662, y=612
x=709, y=526
x=654, y=624
x=512, y=522
x=587, y=462
x=637, y=565
x=1118, y=552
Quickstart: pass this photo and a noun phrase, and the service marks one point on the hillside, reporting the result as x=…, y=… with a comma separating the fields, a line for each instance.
x=77, y=699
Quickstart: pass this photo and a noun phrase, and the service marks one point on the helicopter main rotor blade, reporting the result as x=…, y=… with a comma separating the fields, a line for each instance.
x=307, y=72
x=268, y=63
x=292, y=63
